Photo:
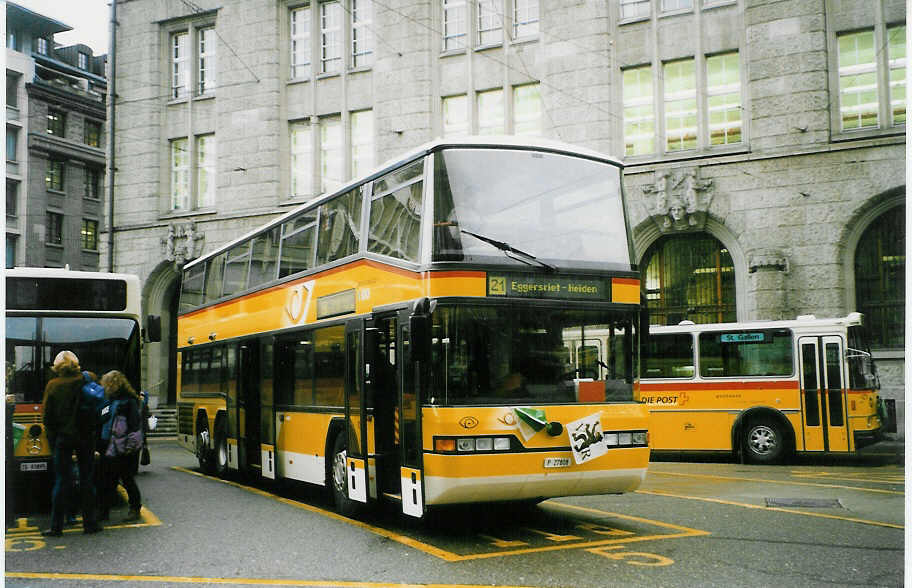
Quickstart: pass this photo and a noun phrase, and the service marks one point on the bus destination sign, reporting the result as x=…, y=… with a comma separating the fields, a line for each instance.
x=525, y=286
x=755, y=337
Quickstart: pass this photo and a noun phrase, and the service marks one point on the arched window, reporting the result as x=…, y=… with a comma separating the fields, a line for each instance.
x=880, y=274
x=689, y=277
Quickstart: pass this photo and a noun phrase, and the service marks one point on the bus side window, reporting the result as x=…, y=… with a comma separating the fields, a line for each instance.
x=669, y=356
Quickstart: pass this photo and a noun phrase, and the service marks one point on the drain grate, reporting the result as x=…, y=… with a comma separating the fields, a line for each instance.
x=804, y=502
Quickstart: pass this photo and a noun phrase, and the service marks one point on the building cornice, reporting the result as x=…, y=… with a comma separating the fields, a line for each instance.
x=66, y=99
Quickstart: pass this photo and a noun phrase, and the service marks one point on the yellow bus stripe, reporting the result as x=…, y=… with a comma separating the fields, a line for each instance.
x=234, y=581
x=775, y=508
x=785, y=482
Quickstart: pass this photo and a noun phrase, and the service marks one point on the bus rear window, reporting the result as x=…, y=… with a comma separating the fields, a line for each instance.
x=669, y=356
x=762, y=352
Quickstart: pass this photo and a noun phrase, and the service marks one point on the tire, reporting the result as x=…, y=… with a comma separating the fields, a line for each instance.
x=345, y=506
x=220, y=454
x=764, y=441
x=204, y=453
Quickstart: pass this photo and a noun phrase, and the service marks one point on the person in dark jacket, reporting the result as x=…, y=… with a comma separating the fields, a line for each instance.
x=122, y=468
x=69, y=429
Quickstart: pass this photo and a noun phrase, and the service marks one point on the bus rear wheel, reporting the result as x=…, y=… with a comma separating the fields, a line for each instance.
x=204, y=453
x=220, y=454
x=344, y=505
x=764, y=441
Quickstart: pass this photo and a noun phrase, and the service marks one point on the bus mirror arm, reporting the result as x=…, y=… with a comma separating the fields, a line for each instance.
x=852, y=353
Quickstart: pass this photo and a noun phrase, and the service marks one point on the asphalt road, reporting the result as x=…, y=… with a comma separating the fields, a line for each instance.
x=815, y=522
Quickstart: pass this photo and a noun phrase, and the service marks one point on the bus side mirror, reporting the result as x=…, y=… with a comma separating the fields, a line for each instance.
x=154, y=328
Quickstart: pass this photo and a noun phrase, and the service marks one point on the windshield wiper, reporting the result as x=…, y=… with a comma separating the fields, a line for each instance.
x=507, y=249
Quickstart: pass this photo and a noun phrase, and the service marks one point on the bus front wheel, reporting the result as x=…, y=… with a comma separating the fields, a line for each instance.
x=344, y=505
x=764, y=441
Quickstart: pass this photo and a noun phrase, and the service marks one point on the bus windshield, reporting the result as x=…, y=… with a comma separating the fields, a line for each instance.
x=552, y=207
x=521, y=355
x=101, y=344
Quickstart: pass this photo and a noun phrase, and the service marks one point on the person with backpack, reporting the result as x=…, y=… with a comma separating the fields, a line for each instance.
x=123, y=433
x=69, y=427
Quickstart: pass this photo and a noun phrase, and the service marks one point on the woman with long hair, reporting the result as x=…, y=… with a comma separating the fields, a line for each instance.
x=121, y=468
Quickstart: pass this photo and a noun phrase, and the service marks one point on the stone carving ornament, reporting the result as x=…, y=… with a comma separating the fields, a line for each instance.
x=681, y=199
x=183, y=243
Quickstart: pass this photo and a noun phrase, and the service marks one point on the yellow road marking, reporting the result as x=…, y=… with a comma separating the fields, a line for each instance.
x=785, y=482
x=455, y=557
x=235, y=581
x=775, y=508
x=895, y=479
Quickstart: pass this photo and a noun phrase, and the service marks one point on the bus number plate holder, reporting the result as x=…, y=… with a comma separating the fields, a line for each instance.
x=557, y=462
x=39, y=466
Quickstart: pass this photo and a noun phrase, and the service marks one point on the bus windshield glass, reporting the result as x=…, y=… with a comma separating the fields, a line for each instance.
x=553, y=207
x=101, y=344
x=525, y=355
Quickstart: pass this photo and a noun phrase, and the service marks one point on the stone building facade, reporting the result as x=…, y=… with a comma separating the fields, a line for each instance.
x=767, y=135
x=55, y=145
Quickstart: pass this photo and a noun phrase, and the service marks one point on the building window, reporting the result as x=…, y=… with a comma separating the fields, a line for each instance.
x=205, y=171
x=896, y=56
x=11, y=251
x=639, y=117
x=330, y=37
x=723, y=96
x=92, y=133
x=490, y=112
x=207, y=60
x=490, y=22
x=680, y=105
x=362, y=142
x=12, y=89
x=675, y=5
x=92, y=187
x=56, y=123
x=301, y=159
x=689, y=277
x=180, y=175
x=89, y=234
x=41, y=45
x=527, y=110
x=180, y=64
x=454, y=24
x=54, y=234
x=82, y=61
x=332, y=161
x=858, y=103
x=12, y=144
x=300, y=43
x=634, y=9
x=455, y=116
x=12, y=38
x=12, y=197
x=53, y=179
x=880, y=276
x=525, y=18
x=362, y=35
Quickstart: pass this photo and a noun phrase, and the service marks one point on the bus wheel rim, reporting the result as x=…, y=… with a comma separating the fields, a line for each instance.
x=339, y=471
x=762, y=439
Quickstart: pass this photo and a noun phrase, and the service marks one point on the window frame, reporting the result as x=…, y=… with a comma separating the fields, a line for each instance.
x=92, y=130
x=88, y=234
x=54, y=229
x=299, y=37
x=55, y=175
x=56, y=123
x=206, y=60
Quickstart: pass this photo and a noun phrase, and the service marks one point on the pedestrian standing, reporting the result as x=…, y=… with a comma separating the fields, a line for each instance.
x=69, y=429
x=121, y=459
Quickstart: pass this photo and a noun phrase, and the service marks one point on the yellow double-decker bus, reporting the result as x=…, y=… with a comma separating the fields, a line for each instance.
x=96, y=315
x=762, y=389
x=405, y=338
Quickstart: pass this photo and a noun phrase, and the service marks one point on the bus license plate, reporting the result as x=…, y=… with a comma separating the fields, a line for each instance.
x=37, y=466
x=557, y=462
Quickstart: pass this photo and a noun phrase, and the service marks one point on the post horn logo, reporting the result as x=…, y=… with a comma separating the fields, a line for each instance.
x=468, y=422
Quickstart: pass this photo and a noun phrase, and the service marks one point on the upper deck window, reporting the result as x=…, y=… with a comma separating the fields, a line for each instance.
x=395, y=216
x=555, y=207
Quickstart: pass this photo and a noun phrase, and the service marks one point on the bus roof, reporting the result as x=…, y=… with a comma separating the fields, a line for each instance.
x=803, y=321
x=56, y=272
x=480, y=142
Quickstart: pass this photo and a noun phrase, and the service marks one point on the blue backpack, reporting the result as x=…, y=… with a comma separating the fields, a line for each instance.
x=93, y=397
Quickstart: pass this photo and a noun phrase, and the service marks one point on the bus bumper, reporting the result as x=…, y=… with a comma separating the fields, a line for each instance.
x=865, y=438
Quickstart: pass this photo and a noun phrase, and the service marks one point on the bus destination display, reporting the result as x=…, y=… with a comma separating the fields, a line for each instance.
x=526, y=286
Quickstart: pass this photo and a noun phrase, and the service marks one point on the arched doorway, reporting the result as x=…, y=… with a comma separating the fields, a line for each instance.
x=689, y=277
x=161, y=293
x=880, y=274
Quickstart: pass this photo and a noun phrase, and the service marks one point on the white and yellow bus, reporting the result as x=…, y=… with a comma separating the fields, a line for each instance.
x=761, y=389
x=402, y=339
x=95, y=315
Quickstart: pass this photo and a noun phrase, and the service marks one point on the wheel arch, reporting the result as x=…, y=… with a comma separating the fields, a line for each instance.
x=336, y=426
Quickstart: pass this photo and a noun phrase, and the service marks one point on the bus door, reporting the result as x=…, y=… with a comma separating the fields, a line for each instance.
x=409, y=421
x=382, y=400
x=248, y=406
x=356, y=372
x=823, y=397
